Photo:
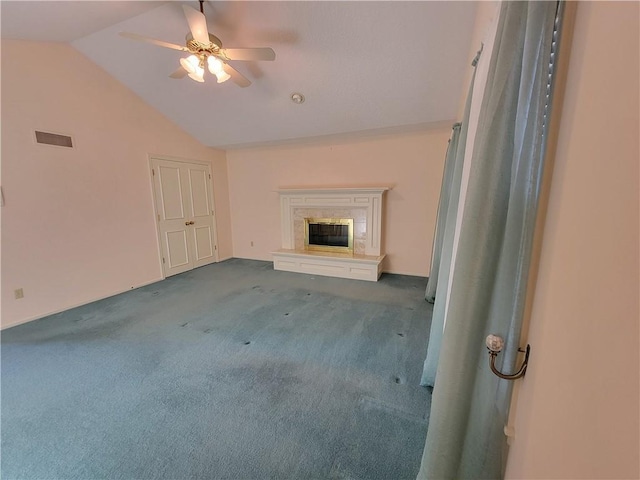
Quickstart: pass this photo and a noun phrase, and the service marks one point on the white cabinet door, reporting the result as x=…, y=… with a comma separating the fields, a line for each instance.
x=184, y=206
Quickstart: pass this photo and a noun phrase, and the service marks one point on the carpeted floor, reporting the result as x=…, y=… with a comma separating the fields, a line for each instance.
x=230, y=371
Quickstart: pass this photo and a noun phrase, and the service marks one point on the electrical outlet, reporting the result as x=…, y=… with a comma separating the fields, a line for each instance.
x=19, y=293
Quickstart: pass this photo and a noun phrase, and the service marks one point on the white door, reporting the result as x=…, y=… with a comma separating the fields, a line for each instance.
x=184, y=207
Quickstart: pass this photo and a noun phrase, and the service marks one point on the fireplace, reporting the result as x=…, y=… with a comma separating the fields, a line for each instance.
x=328, y=235
x=332, y=231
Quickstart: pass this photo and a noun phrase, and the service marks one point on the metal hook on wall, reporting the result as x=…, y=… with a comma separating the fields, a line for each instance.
x=494, y=345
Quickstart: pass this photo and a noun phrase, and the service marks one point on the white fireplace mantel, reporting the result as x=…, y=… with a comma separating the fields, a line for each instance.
x=364, y=203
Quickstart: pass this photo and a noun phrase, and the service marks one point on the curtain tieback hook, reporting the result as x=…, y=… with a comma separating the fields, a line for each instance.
x=494, y=345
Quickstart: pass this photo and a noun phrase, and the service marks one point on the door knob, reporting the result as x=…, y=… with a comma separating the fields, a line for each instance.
x=189, y=223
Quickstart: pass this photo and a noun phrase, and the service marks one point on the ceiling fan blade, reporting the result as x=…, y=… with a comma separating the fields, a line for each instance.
x=153, y=41
x=179, y=73
x=249, y=53
x=236, y=76
x=197, y=23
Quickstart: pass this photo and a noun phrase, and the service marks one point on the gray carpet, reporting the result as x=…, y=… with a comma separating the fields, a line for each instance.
x=231, y=371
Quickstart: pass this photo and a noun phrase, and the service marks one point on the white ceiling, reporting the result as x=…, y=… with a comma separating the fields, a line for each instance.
x=362, y=66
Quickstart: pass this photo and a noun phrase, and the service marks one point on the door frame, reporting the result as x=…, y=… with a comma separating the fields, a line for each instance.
x=151, y=158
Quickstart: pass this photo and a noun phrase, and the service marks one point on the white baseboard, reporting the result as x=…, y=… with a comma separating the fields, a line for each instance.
x=102, y=297
x=69, y=307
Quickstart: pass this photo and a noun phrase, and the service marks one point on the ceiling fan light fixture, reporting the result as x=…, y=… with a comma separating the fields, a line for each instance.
x=205, y=52
x=190, y=64
x=215, y=65
x=198, y=74
x=222, y=76
x=194, y=76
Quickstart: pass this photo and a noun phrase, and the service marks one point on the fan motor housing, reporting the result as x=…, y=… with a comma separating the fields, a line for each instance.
x=215, y=44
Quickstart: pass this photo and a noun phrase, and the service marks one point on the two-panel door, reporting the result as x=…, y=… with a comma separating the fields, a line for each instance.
x=184, y=206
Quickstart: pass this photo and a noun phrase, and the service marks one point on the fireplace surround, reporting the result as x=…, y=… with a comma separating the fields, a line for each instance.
x=360, y=205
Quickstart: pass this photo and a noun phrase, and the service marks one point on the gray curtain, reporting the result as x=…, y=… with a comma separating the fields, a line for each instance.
x=446, y=191
x=469, y=409
x=447, y=211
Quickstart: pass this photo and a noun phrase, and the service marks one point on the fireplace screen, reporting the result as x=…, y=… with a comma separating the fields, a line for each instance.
x=329, y=234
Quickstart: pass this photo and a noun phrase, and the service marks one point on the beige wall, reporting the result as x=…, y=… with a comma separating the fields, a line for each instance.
x=577, y=410
x=78, y=224
x=411, y=163
x=487, y=12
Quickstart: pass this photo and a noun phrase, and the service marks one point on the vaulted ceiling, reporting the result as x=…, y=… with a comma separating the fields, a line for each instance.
x=362, y=66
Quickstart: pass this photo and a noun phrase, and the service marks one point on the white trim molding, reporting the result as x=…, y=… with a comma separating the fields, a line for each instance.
x=364, y=204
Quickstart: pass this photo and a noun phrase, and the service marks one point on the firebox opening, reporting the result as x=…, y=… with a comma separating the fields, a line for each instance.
x=329, y=234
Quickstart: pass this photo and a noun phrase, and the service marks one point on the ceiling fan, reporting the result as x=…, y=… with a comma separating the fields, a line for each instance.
x=206, y=51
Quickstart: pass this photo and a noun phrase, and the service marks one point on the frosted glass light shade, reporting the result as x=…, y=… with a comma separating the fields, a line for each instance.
x=494, y=343
x=190, y=64
x=215, y=65
x=223, y=76
x=197, y=75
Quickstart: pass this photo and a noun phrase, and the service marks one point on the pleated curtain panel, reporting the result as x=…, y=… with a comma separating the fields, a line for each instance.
x=485, y=252
x=447, y=215
x=448, y=190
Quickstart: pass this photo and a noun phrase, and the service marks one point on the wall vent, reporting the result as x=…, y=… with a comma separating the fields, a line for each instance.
x=55, y=139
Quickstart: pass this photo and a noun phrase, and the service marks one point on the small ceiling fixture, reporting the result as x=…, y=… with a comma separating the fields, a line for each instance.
x=297, y=98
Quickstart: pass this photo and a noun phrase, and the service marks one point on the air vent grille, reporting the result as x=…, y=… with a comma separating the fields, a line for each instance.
x=55, y=139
